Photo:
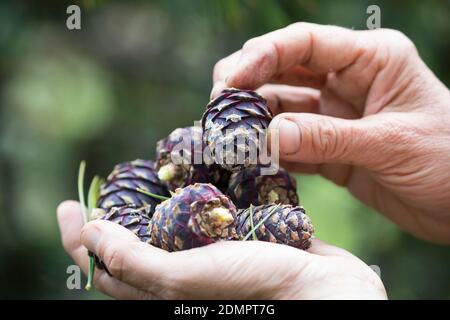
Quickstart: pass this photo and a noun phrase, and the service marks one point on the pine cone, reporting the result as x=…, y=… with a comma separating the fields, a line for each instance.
x=131, y=217
x=250, y=187
x=234, y=128
x=219, y=177
x=179, y=158
x=120, y=187
x=195, y=216
x=180, y=161
x=286, y=225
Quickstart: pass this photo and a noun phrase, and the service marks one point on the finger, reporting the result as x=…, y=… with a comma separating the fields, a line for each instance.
x=300, y=76
x=316, y=139
x=220, y=270
x=221, y=71
x=339, y=174
x=318, y=48
x=237, y=270
x=296, y=76
x=298, y=167
x=103, y=282
x=322, y=248
x=128, y=259
x=282, y=98
x=335, y=105
x=70, y=222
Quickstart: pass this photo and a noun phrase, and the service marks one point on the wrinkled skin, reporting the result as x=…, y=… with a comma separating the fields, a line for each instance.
x=227, y=270
x=363, y=110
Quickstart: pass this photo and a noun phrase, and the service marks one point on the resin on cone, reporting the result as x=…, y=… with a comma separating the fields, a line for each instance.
x=286, y=225
x=194, y=216
x=249, y=187
x=235, y=128
x=120, y=187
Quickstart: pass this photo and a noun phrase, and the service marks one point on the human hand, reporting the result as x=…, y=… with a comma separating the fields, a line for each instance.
x=224, y=270
x=362, y=109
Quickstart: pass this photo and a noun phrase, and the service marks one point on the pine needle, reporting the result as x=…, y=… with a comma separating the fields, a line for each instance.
x=272, y=211
x=81, y=173
x=90, y=274
x=252, y=223
x=94, y=192
x=156, y=196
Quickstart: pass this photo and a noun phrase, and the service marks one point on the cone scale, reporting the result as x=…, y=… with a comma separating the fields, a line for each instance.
x=235, y=128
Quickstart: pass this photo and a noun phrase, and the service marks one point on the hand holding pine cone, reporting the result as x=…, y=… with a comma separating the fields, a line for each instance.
x=202, y=205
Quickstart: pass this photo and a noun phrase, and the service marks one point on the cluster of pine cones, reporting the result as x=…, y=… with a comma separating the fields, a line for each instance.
x=178, y=202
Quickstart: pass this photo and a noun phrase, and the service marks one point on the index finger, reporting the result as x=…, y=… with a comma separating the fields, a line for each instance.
x=221, y=71
x=322, y=49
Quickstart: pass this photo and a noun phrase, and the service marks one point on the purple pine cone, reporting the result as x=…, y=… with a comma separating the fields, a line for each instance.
x=134, y=219
x=180, y=160
x=286, y=225
x=250, y=187
x=120, y=187
x=234, y=128
x=195, y=216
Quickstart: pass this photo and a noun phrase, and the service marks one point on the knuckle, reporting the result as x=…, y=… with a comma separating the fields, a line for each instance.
x=268, y=50
x=399, y=40
x=218, y=68
x=69, y=245
x=394, y=133
x=326, y=138
x=113, y=258
x=398, y=136
x=396, y=141
x=251, y=43
x=298, y=25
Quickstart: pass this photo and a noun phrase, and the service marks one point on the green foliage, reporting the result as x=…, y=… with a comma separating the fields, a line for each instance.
x=137, y=70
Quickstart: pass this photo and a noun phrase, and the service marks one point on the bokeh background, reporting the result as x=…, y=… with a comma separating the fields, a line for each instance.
x=139, y=69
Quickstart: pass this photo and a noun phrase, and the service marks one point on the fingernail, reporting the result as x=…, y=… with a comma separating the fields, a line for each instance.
x=90, y=237
x=289, y=135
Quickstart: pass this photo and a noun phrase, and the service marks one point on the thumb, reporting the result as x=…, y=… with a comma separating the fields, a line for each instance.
x=312, y=138
x=127, y=259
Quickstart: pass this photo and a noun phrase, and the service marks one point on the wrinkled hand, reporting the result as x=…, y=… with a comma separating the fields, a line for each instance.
x=362, y=109
x=227, y=270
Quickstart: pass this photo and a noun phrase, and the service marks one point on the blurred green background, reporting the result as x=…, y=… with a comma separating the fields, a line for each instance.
x=139, y=69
